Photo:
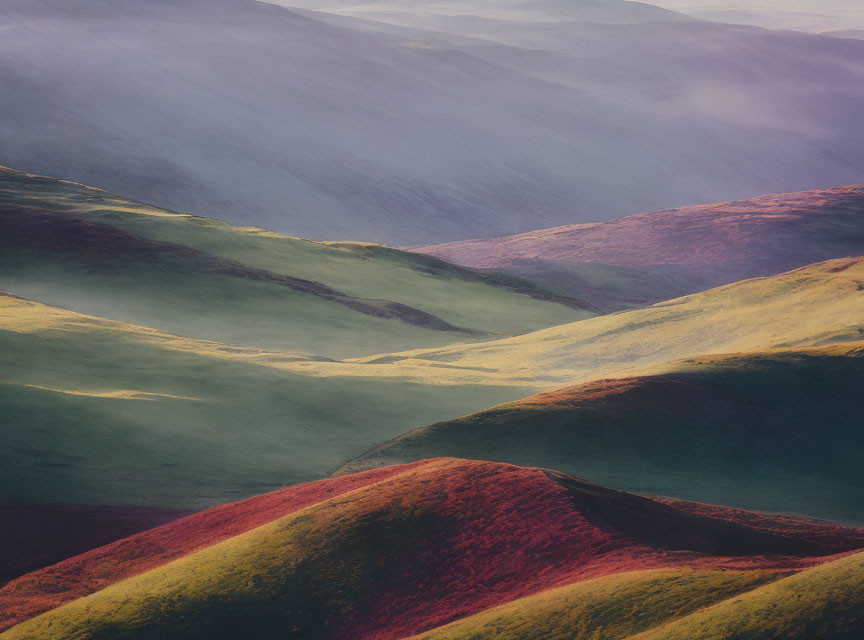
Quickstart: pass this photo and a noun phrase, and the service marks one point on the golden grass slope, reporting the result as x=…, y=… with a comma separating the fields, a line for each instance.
x=811, y=306
x=608, y=607
x=822, y=603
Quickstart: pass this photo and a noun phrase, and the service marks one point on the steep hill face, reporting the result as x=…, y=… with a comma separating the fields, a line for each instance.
x=409, y=549
x=777, y=431
x=287, y=121
x=96, y=253
x=663, y=254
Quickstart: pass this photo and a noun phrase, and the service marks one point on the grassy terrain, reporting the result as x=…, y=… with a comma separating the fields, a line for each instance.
x=103, y=412
x=775, y=431
x=116, y=413
x=93, y=252
x=823, y=603
x=443, y=540
x=613, y=606
x=815, y=305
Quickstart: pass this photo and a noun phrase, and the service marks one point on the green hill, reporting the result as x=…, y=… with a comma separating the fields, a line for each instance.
x=90, y=251
x=96, y=411
x=776, y=431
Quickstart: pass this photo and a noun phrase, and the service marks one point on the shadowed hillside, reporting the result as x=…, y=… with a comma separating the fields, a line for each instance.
x=100, y=412
x=94, y=252
x=739, y=429
x=402, y=550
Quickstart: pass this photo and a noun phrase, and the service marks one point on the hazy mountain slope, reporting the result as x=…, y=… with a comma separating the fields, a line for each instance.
x=313, y=129
x=102, y=412
x=775, y=431
x=663, y=254
x=856, y=34
x=802, y=15
x=815, y=305
x=96, y=253
x=428, y=544
x=600, y=11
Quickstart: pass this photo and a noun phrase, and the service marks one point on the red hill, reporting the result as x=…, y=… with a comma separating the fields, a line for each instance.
x=399, y=550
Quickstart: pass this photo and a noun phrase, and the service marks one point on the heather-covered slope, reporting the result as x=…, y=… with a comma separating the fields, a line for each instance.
x=100, y=412
x=413, y=548
x=96, y=253
x=286, y=121
x=775, y=431
x=664, y=254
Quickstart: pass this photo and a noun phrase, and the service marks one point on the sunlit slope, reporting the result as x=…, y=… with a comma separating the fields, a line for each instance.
x=95, y=568
x=418, y=547
x=811, y=306
x=93, y=252
x=776, y=431
x=823, y=603
x=609, y=607
x=96, y=411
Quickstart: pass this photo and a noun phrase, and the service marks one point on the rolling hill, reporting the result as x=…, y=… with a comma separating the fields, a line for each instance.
x=288, y=121
x=212, y=422
x=403, y=550
x=91, y=251
x=816, y=305
x=773, y=431
x=101, y=412
x=659, y=255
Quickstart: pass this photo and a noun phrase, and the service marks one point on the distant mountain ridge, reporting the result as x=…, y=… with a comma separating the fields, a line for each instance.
x=330, y=131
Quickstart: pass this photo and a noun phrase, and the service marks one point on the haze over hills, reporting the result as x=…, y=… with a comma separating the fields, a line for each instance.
x=96, y=253
x=801, y=15
x=600, y=11
x=406, y=549
x=660, y=255
x=728, y=429
x=289, y=122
